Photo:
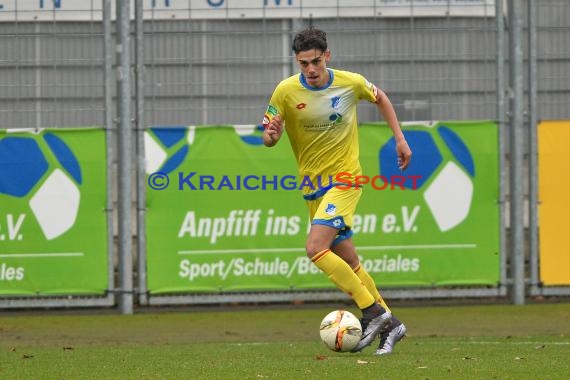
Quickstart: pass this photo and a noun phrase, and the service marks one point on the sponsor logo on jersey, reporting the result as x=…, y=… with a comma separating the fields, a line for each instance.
x=336, y=118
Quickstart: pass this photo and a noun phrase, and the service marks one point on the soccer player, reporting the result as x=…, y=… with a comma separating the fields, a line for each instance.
x=317, y=108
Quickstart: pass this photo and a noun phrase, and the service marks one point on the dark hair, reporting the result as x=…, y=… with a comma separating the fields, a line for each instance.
x=309, y=39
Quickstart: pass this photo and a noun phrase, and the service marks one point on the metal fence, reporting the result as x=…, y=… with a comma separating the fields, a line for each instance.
x=221, y=71
x=56, y=74
x=548, y=83
x=188, y=67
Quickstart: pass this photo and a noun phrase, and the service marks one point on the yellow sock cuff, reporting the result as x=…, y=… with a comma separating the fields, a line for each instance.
x=342, y=275
x=369, y=283
x=320, y=255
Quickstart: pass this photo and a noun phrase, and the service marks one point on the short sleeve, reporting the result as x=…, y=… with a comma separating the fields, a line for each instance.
x=365, y=89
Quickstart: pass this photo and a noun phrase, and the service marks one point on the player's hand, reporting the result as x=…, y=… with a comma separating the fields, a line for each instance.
x=273, y=131
x=404, y=154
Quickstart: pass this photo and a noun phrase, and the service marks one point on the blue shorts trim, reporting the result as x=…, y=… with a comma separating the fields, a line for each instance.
x=337, y=222
x=342, y=235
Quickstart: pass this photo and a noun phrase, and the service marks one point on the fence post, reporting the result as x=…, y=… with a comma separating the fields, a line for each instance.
x=109, y=131
x=139, y=122
x=501, y=113
x=124, y=156
x=516, y=152
x=533, y=145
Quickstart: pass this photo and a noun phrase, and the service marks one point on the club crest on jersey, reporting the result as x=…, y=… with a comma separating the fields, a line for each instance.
x=300, y=106
x=335, y=101
x=331, y=209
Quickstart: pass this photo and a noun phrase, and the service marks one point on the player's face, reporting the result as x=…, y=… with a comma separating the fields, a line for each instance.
x=313, y=65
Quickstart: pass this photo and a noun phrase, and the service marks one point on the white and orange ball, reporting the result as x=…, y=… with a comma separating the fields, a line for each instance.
x=340, y=330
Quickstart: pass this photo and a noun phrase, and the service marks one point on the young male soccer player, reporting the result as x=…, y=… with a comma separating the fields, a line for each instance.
x=317, y=108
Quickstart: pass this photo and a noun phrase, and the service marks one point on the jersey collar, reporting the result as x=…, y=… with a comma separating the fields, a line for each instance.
x=304, y=82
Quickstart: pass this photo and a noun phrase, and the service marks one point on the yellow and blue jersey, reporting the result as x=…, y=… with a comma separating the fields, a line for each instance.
x=322, y=125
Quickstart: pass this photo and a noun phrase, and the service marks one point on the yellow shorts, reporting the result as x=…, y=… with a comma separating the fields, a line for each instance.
x=336, y=209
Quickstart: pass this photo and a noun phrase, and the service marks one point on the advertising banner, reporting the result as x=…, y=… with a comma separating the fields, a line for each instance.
x=92, y=10
x=53, y=224
x=226, y=213
x=553, y=185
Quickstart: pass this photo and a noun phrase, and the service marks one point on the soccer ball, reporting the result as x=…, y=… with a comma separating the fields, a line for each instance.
x=44, y=172
x=446, y=167
x=340, y=330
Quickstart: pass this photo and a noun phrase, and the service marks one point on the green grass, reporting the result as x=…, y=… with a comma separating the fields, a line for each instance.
x=463, y=342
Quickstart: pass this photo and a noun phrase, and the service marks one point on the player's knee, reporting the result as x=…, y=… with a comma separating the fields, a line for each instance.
x=313, y=247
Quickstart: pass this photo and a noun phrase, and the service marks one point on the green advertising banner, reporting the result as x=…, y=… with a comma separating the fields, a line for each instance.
x=53, y=227
x=226, y=213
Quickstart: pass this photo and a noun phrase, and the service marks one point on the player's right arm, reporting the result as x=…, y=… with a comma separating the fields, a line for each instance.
x=387, y=110
x=375, y=95
x=272, y=131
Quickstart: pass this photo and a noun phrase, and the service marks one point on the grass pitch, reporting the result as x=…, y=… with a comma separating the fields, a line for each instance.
x=461, y=342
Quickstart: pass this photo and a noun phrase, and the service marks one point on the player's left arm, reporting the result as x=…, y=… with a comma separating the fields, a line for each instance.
x=387, y=110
